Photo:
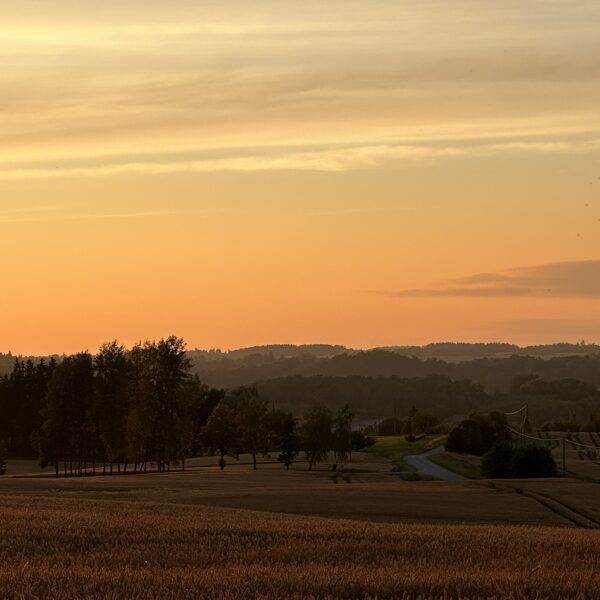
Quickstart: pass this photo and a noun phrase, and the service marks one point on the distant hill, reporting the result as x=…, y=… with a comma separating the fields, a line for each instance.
x=277, y=351
x=494, y=366
x=494, y=374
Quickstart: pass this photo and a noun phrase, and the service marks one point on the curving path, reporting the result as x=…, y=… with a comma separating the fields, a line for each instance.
x=423, y=465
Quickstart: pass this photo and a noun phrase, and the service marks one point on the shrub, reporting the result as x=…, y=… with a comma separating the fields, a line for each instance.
x=497, y=462
x=360, y=440
x=533, y=461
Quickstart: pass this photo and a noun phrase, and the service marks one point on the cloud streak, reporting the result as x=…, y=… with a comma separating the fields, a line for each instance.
x=574, y=279
x=328, y=158
x=94, y=216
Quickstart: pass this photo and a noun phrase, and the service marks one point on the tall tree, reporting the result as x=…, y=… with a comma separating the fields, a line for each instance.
x=282, y=435
x=112, y=384
x=159, y=428
x=202, y=400
x=316, y=434
x=342, y=434
x=220, y=434
x=250, y=414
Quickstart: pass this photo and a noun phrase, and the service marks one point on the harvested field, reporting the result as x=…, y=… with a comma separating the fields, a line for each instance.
x=373, y=497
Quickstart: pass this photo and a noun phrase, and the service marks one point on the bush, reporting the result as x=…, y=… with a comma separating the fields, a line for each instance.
x=497, y=462
x=360, y=441
x=532, y=461
x=3, y=457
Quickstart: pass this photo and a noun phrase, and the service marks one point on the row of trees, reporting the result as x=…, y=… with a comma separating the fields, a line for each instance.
x=242, y=423
x=128, y=408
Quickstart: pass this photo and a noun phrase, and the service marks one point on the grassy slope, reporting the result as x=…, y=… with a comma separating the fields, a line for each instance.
x=395, y=447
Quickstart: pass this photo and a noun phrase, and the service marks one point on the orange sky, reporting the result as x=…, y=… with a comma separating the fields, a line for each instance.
x=244, y=173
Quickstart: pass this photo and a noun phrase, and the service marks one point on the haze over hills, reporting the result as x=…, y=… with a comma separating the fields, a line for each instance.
x=493, y=366
x=447, y=350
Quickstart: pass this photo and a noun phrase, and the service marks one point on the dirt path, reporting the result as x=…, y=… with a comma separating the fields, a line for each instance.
x=424, y=466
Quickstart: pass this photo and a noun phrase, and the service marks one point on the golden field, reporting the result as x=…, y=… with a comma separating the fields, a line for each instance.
x=277, y=534
x=72, y=548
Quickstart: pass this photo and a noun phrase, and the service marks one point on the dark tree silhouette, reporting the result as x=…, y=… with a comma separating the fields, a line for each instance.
x=316, y=434
x=220, y=434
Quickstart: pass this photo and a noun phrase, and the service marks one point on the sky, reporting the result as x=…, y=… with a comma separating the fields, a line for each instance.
x=241, y=173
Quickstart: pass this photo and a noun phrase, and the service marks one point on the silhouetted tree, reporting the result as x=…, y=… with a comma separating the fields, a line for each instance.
x=250, y=412
x=159, y=428
x=281, y=431
x=202, y=401
x=316, y=434
x=220, y=434
x=342, y=434
x=113, y=386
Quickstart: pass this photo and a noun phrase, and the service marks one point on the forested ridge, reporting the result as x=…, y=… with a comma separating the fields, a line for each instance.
x=494, y=374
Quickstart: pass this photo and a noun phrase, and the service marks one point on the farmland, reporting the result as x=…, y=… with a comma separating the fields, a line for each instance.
x=273, y=533
x=74, y=544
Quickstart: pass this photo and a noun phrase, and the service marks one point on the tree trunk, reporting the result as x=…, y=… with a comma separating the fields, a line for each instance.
x=254, y=461
x=56, y=468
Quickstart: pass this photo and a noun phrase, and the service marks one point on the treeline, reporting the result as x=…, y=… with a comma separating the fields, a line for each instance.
x=373, y=397
x=125, y=409
x=494, y=374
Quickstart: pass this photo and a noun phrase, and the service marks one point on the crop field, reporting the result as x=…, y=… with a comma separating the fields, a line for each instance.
x=272, y=533
x=369, y=496
x=68, y=548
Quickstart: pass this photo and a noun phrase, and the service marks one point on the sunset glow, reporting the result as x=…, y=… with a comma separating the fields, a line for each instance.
x=364, y=173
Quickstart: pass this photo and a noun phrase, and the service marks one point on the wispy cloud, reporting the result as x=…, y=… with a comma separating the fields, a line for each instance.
x=312, y=157
x=556, y=280
x=23, y=217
